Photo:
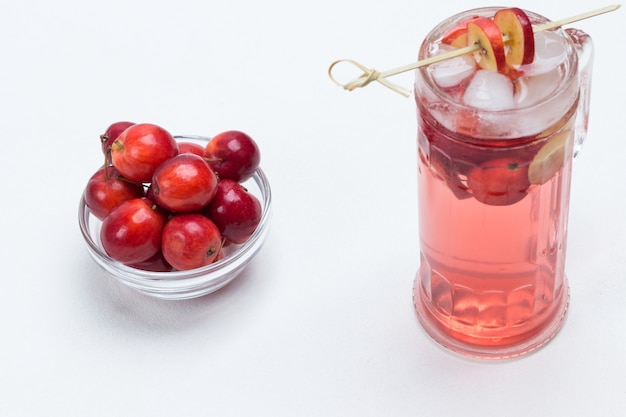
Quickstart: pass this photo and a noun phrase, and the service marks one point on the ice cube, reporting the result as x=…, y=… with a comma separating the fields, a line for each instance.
x=451, y=72
x=550, y=52
x=534, y=88
x=489, y=90
x=542, y=77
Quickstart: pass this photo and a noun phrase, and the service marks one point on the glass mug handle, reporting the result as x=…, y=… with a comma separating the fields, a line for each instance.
x=585, y=50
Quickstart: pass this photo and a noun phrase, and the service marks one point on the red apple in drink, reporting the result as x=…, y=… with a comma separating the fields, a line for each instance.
x=184, y=183
x=111, y=133
x=190, y=147
x=235, y=211
x=190, y=241
x=233, y=155
x=519, y=37
x=107, y=189
x=499, y=182
x=131, y=233
x=484, y=33
x=140, y=149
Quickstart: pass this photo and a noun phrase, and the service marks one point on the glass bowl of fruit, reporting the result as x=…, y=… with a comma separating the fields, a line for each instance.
x=185, y=227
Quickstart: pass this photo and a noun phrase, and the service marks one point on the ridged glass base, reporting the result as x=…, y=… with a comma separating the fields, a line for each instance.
x=465, y=342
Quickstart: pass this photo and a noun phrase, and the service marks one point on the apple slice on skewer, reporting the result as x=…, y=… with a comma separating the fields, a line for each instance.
x=550, y=158
x=457, y=35
x=486, y=34
x=517, y=31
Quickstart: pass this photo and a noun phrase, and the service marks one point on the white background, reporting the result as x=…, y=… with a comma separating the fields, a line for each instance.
x=321, y=323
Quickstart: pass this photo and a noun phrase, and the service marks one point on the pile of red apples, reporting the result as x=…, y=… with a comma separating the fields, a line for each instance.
x=171, y=204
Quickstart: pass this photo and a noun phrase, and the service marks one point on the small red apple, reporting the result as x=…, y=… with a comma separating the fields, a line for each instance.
x=184, y=183
x=235, y=211
x=140, y=149
x=131, y=233
x=233, y=155
x=111, y=133
x=190, y=241
x=107, y=189
x=156, y=263
x=499, y=182
x=191, y=147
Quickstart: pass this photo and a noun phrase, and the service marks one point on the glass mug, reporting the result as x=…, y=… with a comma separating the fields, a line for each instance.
x=495, y=155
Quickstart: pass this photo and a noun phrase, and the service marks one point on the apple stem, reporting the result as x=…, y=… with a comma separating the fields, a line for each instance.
x=117, y=145
x=121, y=178
x=222, y=243
x=107, y=157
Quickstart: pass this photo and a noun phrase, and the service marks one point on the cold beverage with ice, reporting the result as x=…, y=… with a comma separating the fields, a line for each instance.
x=497, y=132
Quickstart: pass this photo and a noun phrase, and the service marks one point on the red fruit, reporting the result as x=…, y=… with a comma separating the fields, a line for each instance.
x=491, y=55
x=107, y=189
x=184, y=183
x=190, y=241
x=156, y=263
x=233, y=155
x=140, y=149
x=131, y=233
x=191, y=147
x=149, y=194
x=457, y=35
x=235, y=211
x=112, y=133
x=517, y=29
x=499, y=182
x=448, y=172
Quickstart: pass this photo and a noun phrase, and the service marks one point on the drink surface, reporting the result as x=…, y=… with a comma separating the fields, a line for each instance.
x=495, y=158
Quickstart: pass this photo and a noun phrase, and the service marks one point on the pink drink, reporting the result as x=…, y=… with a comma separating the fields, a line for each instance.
x=495, y=159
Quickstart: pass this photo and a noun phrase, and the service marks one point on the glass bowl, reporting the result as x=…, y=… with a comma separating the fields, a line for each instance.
x=180, y=285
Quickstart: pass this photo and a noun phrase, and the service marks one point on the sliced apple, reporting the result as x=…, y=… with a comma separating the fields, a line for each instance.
x=550, y=158
x=518, y=35
x=457, y=35
x=486, y=34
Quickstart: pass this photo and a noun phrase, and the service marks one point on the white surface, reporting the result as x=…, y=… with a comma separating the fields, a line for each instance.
x=321, y=323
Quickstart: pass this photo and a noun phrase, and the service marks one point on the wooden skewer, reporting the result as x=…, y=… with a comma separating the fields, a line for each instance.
x=583, y=16
x=370, y=75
